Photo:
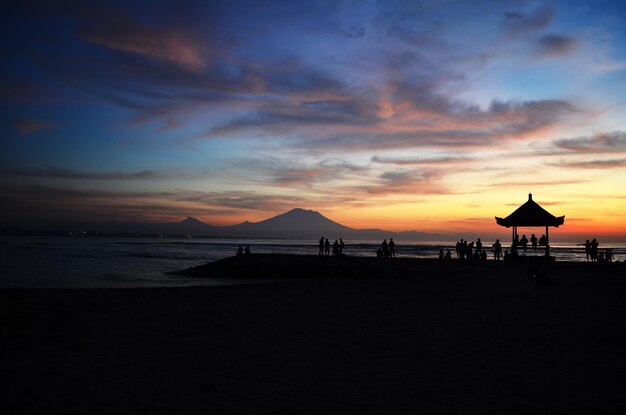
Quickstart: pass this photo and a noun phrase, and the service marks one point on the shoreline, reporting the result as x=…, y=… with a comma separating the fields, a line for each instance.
x=314, y=266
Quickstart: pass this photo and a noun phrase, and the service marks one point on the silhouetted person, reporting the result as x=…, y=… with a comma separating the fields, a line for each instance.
x=327, y=247
x=462, y=249
x=385, y=247
x=247, y=251
x=336, y=248
x=448, y=256
x=594, y=250
x=379, y=253
x=240, y=251
x=497, y=249
x=543, y=241
x=483, y=255
x=392, y=248
x=533, y=241
x=341, y=245
x=441, y=254
x=321, y=246
x=608, y=255
x=524, y=242
x=458, y=248
x=469, y=248
x=479, y=245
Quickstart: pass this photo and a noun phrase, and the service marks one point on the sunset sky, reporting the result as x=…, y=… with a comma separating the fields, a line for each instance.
x=427, y=115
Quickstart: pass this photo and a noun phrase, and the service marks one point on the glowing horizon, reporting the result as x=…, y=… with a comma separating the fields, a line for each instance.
x=432, y=116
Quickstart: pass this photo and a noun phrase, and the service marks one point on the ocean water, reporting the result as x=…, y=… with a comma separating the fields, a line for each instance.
x=57, y=262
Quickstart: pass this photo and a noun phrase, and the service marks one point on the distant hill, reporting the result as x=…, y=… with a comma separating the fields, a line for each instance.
x=297, y=223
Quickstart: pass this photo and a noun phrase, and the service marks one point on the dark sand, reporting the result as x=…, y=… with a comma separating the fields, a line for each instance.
x=427, y=337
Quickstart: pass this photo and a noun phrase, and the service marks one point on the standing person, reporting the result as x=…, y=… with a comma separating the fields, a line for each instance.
x=594, y=249
x=321, y=246
x=462, y=249
x=336, y=248
x=479, y=246
x=533, y=241
x=392, y=248
x=327, y=247
x=497, y=249
x=458, y=248
x=524, y=242
x=385, y=248
x=469, y=248
x=341, y=245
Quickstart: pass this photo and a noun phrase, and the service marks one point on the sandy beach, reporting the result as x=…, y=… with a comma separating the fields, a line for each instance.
x=441, y=338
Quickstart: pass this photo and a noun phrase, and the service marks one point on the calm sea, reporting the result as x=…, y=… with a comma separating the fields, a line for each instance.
x=54, y=262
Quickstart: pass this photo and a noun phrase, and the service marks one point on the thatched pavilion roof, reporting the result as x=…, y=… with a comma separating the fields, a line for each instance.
x=530, y=214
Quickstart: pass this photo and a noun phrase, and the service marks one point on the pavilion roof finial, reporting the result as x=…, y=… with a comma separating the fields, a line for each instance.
x=530, y=196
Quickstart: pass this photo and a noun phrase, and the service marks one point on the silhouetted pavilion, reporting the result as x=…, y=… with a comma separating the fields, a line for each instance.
x=530, y=214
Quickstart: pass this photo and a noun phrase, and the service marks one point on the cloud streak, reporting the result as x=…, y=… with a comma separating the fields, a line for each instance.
x=556, y=45
x=600, y=142
x=27, y=126
x=593, y=164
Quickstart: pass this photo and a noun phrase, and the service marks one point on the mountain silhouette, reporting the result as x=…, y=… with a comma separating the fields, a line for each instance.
x=192, y=225
x=297, y=223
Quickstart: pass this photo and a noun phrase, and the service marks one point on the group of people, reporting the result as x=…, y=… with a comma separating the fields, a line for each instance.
x=387, y=249
x=534, y=242
x=473, y=250
x=592, y=253
x=324, y=247
x=467, y=250
x=241, y=251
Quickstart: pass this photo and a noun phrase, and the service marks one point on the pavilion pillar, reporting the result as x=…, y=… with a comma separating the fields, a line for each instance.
x=547, y=242
x=513, y=244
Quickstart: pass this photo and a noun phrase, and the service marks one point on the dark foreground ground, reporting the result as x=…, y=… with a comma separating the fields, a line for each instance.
x=425, y=337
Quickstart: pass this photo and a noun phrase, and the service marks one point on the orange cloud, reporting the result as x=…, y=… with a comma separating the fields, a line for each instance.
x=166, y=44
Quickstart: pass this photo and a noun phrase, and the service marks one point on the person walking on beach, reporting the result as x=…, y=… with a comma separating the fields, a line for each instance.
x=533, y=241
x=321, y=252
x=392, y=248
x=327, y=247
x=497, y=249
